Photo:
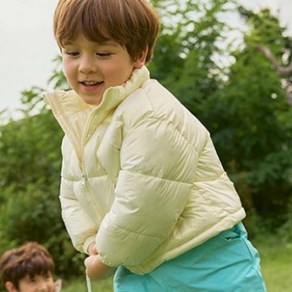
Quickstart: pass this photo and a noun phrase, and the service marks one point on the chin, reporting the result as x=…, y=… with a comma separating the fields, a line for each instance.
x=92, y=100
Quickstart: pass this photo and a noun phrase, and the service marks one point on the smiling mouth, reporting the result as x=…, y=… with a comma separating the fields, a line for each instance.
x=91, y=83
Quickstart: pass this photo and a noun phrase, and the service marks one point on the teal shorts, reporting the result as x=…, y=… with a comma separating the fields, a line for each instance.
x=225, y=263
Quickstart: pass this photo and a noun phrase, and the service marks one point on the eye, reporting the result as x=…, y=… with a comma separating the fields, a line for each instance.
x=72, y=53
x=32, y=279
x=48, y=276
x=69, y=52
x=103, y=54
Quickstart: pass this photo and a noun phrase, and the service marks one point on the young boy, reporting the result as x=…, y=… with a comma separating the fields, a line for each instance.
x=142, y=187
x=28, y=268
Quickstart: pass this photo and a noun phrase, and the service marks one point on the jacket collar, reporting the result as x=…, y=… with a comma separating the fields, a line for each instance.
x=79, y=119
x=69, y=103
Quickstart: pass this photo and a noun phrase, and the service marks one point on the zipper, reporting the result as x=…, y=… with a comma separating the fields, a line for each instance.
x=83, y=179
x=84, y=139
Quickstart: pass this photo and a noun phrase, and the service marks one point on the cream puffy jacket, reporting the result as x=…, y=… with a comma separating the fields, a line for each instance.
x=140, y=175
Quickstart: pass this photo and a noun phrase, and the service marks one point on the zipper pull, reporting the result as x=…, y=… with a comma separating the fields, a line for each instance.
x=82, y=181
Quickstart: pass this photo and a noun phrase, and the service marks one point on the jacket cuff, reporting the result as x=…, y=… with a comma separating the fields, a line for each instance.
x=87, y=243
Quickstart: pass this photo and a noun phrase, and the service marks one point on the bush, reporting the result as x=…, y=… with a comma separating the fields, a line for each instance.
x=30, y=164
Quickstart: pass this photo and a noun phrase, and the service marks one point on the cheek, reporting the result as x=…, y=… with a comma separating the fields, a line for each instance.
x=119, y=73
x=68, y=65
x=69, y=72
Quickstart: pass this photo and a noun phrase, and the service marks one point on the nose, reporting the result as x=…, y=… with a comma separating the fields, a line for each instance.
x=87, y=64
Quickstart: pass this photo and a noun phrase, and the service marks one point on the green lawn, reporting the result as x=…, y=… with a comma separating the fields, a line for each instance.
x=80, y=286
x=276, y=262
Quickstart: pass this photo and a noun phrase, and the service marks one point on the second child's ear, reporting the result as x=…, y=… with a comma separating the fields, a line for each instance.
x=140, y=60
x=10, y=287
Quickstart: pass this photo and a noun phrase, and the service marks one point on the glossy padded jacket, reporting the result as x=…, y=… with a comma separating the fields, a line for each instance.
x=142, y=171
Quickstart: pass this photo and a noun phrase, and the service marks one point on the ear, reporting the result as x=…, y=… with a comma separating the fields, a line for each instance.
x=10, y=287
x=140, y=61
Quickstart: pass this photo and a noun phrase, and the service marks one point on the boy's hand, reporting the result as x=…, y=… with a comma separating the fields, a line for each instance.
x=58, y=286
x=96, y=269
x=92, y=249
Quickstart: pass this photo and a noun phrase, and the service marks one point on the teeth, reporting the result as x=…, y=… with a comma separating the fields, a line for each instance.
x=90, y=82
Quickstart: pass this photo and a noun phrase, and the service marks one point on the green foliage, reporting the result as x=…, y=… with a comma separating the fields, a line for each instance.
x=184, y=59
x=265, y=29
x=26, y=153
x=247, y=113
x=253, y=127
x=30, y=163
x=58, y=79
x=285, y=232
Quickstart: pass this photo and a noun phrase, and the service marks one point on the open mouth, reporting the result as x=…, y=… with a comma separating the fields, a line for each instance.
x=91, y=83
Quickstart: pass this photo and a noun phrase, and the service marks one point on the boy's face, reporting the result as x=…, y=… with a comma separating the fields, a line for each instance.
x=91, y=68
x=38, y=283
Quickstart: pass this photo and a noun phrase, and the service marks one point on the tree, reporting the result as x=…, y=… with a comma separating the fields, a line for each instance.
x=184, y=59
x=253, y=131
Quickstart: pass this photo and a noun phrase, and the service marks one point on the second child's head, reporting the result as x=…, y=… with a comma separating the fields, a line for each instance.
x=103, y=41
x=28, y=268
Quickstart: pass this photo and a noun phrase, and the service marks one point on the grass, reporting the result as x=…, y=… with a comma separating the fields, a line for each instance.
x=276, y=263
x=79, y=285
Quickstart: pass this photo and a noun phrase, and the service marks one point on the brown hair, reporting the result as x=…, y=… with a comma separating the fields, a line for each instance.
x=30, y=259
x=132, y=23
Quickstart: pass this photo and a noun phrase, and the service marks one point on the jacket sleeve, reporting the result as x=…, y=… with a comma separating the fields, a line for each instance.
x=153, y=186
x=80, y=227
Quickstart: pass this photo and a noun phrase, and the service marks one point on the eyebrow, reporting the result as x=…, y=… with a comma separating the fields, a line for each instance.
x=104, y=43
